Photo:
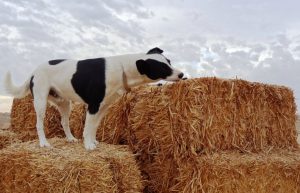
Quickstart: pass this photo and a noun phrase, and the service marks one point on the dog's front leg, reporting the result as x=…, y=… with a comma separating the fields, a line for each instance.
x=91, y=125
x=90, y=129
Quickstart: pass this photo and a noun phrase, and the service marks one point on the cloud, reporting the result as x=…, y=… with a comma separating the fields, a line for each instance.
x=34, y=32
x=272, y=63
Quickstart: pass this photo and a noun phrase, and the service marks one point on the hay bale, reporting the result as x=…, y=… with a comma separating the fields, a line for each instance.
x=23, y=120
x=197, y=117
x=7, y=137
x=77, y=119
x=68, y=168
x=205, y=115
x=227, y=172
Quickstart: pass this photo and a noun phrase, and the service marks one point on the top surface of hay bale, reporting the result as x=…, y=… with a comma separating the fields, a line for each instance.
x=25, y=167
x=7, y=137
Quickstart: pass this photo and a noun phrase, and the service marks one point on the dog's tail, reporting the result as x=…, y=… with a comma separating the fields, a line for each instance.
x=16, y=91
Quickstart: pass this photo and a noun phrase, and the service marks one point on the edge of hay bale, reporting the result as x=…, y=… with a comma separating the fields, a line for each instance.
x=25, y=167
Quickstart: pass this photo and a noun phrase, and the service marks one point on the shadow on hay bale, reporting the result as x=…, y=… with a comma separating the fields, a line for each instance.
x=195, y=117
x=25, y=167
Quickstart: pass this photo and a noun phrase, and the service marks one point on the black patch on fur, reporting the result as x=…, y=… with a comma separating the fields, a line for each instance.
x=53, y=93
x=153, y=69
x=54, y=62
x=155, y=50
x=89, y=82
x=31, y=85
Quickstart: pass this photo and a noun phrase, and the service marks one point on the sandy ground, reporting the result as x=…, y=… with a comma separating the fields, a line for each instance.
x=5, y=122
x=298, y=128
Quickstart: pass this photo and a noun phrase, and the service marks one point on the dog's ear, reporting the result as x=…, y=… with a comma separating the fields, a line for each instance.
x=142, y=66
x=155, y=50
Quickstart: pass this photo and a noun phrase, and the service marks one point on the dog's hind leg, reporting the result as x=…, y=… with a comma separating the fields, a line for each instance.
x=64, y=109
x=40, y=105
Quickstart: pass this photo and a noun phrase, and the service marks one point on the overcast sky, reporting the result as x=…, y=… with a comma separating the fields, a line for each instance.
x=250, y=39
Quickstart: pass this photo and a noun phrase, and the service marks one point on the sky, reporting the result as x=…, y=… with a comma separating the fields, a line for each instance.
x=249, y=39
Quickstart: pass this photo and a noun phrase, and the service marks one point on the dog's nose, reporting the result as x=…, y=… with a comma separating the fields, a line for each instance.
x=180, y=75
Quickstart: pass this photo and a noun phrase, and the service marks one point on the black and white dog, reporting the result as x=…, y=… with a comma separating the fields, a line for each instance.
x=95, y=82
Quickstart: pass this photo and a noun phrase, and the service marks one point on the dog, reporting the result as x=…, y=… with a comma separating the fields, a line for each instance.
x=95, y=82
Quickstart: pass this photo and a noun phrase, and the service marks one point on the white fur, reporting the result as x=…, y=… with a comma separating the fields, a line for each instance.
x=59, y=77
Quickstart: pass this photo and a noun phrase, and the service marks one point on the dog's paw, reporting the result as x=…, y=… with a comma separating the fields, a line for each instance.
x=72, y=139
x=44, y=144
x=96, y=142
x=89, y=145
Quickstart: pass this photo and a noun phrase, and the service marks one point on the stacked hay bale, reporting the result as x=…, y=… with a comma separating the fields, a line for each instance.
x=68, y=168
x=178, y=129
x=23, y=120
x=177, y=124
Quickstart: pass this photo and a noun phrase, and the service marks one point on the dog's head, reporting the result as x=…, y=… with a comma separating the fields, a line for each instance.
x=157, y=67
